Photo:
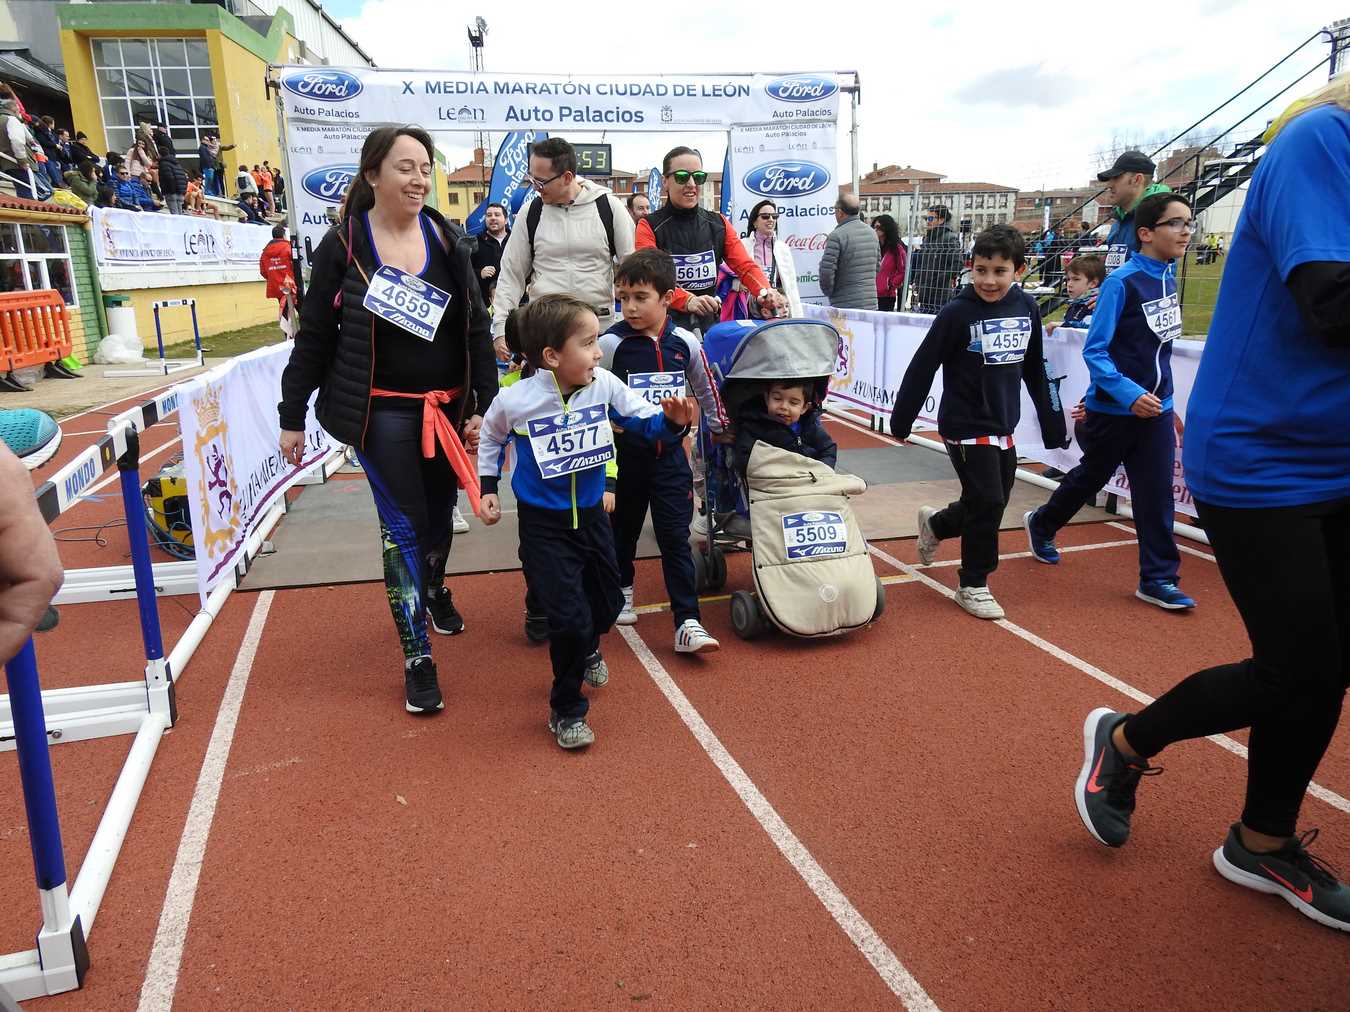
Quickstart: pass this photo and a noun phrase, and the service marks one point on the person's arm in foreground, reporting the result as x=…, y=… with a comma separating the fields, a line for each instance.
x=30, y=569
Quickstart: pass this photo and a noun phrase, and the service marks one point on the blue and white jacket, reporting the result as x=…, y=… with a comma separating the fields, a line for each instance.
x=1129, y=343
x=539, y=396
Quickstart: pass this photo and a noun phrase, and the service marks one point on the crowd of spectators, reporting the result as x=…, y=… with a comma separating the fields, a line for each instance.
x=46, y=163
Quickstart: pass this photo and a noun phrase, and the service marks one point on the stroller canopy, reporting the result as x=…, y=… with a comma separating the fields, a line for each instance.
x=744, y=354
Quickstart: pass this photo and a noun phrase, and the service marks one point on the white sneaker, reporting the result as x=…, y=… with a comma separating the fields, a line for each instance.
x=928, y=541
x=628, y=616
x=692, y=638
x=979, y=602
x=458, y=523
x=700, y=525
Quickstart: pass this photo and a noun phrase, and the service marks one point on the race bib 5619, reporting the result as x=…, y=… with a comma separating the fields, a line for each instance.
x=695, y=270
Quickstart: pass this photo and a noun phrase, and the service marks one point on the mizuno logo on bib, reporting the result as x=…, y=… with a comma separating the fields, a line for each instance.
x=695, y=270
x=1164, y=317
x=654, y=387
x=571, y=441
x=1001, y=342
x=406, y=301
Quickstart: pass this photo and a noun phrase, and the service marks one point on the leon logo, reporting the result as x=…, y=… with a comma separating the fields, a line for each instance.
x=328, y=183
x=786, y=179
x=322, y=85
x=801, y=88
x=217, y=491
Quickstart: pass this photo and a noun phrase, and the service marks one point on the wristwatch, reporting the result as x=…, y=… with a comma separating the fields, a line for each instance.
x=762, y=292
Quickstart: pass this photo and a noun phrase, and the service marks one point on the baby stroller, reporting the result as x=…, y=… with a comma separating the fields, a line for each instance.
x=813, y=575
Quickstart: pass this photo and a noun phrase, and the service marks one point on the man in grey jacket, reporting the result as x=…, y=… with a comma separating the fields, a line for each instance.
x=848, y=268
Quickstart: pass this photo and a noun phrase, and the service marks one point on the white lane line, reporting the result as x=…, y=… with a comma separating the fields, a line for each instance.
x=845, y=914
x=1027, y=555
x=1180, y=547
x=161, y=976
x=1125, y=688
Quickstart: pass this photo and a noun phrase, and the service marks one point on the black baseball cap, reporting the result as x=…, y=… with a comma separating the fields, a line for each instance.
x=1129, y=161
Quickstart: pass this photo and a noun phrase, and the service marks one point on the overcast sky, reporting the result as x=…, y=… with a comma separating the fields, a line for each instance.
x=1018, y=95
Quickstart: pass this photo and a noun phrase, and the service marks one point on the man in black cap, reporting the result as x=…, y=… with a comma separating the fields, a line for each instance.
x=1128, y=181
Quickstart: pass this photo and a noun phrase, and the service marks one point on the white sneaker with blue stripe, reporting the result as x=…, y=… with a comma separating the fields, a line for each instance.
x=692, y=638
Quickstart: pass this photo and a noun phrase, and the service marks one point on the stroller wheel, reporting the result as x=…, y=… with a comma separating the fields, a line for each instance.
x=717, y=568
x=881, y=600
x=746, y=617
x=700, y=570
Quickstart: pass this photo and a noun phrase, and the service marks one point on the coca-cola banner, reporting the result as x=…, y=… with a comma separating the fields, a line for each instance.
x=792, y=164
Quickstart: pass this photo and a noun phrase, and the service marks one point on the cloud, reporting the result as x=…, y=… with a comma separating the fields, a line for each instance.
x=1017, y=86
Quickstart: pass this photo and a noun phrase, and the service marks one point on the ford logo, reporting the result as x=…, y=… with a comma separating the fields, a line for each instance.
x=801, y=88
x=322, y=85
x=328, y=183
x=787, y=179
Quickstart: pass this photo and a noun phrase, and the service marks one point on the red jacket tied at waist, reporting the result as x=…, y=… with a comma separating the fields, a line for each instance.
x=436, y=428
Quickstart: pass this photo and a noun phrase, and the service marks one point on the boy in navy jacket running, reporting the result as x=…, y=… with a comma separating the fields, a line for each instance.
x=656, y=358
x=988, y=343
x=558, y=421
x=1129, y=402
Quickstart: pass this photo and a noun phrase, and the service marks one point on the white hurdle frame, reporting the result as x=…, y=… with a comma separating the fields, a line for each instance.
x=145, y=707
x=165, y=367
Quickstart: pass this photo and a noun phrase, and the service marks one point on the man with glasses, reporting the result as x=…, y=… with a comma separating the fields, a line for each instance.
x=574, y=230
x=700, y=241
x=1128, y=182
x=848, y=268
x=937, y=263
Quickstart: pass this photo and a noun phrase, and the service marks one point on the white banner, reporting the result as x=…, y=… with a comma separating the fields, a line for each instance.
x=181, y=241
x=460, y=100
x=231, y=457
x=792, y=164
x=323, y=160
x=875, y=349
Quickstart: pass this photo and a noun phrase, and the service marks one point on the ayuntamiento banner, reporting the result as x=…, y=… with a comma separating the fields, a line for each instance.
x=875, y=349
x=232, y=457
x=457, y=100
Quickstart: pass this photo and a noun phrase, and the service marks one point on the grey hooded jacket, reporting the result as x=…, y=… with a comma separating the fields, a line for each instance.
x=848, y=269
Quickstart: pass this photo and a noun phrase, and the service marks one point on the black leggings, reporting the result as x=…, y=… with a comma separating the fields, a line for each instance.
x=987, y=474
x=1288, y=571
x=415, y=498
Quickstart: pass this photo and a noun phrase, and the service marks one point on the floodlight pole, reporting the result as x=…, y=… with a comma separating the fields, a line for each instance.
x=477, y=37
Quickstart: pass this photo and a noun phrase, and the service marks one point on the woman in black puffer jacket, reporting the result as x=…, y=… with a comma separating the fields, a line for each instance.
x=172, y=178
x=395, y=337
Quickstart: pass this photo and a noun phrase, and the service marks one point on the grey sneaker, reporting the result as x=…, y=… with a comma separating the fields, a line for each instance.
x=1104, y=791
x=628, y=616
x=597, y=671
x=979, y=602
x=1305, y=882
x=928, y=541
x=571, y=733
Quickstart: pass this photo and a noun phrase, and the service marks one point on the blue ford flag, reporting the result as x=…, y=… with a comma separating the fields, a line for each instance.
x=654, y=188
x=508, y=186
x=726, y=183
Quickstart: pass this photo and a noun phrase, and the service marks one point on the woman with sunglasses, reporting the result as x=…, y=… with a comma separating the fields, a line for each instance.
x=700, y=242
x=891, y=270
x=774, y=258
x=394, y=336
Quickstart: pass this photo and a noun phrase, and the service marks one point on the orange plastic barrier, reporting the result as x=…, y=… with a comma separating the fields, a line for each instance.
x=34, y=328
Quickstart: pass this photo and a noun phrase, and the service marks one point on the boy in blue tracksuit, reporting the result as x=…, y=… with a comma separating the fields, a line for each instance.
x=656, y=359
x=1129, y=402
x=558, y=421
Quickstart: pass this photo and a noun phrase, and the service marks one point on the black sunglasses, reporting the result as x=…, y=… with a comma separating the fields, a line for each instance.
x=768, y=215
x=682, y=176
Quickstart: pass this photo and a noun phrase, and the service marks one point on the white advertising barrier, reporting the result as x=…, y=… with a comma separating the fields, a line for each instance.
x=458, y=100
x=177, y=241
x=792, y=164
x=323, y=160
x=231, y=457
x=875, y=349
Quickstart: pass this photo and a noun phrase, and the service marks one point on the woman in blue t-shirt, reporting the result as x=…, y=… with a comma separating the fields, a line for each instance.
x=1267, y=457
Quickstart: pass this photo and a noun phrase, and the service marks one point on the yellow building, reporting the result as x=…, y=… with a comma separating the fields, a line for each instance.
x=459, y=191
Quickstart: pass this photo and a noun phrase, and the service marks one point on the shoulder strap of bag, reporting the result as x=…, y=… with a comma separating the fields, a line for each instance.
x=602, y=206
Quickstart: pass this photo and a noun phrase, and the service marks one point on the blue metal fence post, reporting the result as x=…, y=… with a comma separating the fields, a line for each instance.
x=159, y=339
x=159, y=680
x=196, y=334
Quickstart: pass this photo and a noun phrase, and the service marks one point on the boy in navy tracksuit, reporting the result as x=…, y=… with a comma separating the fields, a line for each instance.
x=656, y=358
x=559, y=421
x=1129, y=402
x=987, y=341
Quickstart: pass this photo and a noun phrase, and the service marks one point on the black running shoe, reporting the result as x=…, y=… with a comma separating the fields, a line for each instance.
x=536, y=627
x=444, y=619
x=1307, y=883
x=1106, y=784
x=421, y=688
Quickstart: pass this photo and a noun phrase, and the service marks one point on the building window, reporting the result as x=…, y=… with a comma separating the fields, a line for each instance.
x=155, y=81
x=1003, y=201
x=454, y=198
x=34, y=257
x=477, y=196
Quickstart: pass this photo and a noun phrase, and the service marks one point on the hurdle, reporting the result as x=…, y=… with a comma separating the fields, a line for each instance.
x=165, y=367
x=33, y=721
